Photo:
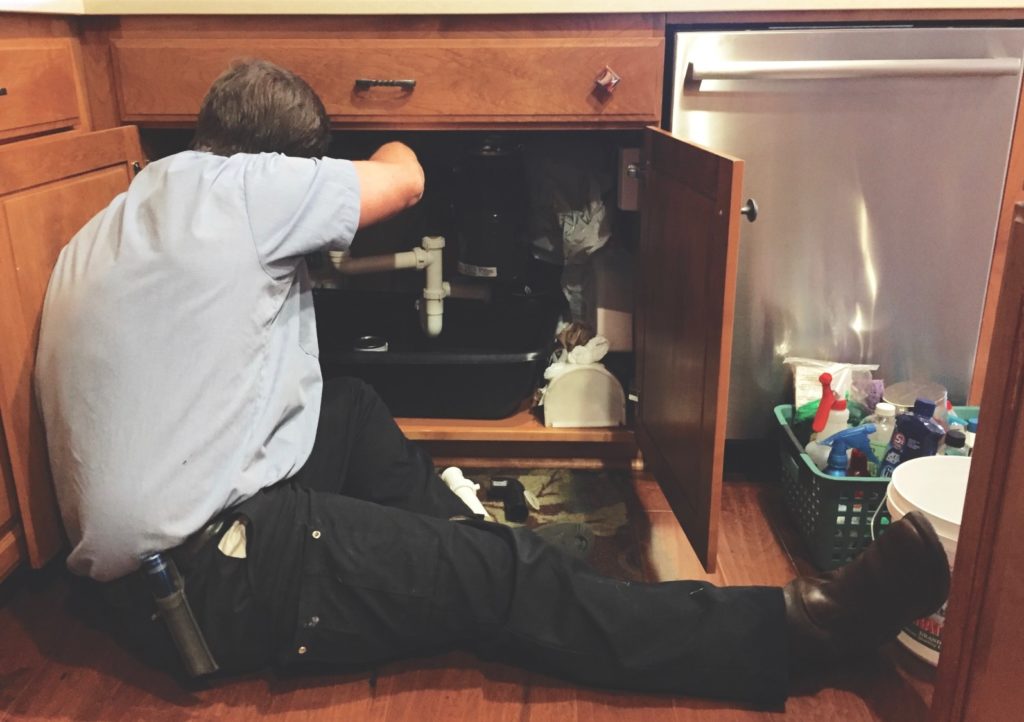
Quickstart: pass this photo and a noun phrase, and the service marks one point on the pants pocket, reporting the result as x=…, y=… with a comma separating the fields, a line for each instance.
x=236, y=627
x=366, y=589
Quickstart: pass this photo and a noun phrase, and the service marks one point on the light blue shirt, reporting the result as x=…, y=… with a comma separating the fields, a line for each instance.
x=177, y=367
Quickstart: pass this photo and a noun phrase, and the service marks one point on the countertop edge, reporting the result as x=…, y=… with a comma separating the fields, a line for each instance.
x=471, y=7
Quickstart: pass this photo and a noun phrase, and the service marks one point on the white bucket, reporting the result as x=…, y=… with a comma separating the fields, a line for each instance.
x=936, y=486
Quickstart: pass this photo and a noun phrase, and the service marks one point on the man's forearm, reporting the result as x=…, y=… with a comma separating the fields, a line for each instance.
x=390, y=181
x=395, y=152
x=401, y=155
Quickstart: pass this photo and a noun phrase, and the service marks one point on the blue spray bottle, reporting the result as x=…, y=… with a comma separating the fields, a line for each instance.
x=854, y=438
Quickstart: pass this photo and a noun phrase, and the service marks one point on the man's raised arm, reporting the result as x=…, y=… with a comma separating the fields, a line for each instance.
x=389, y=182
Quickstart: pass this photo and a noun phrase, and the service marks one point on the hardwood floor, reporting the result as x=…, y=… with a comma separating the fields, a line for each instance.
x=55, y=666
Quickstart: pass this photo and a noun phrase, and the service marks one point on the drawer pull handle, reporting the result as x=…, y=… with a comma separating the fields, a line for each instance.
x=3, y=91
x=367, y=83
x=607, y=79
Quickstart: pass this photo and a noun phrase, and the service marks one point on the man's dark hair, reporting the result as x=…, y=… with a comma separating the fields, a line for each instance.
x=258, y=107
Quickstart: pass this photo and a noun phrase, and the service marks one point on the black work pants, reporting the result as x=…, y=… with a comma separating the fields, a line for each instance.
x=355, y=561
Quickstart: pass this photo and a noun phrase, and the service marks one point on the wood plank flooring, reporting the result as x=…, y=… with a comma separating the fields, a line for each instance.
x=55, y=666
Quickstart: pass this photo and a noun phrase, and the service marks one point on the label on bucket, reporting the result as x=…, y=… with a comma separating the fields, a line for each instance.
x=928, y=631
x=923, y=637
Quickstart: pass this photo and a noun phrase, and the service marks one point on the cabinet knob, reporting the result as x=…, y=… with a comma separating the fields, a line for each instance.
x=3, y=91
x=607, y=79
x=408, y=84
x=749, y=210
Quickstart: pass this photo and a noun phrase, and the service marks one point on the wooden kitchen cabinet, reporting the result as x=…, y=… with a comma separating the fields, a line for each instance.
x=45, y=205
x=12, y=545
x=49, y=188
x=983, y=638
x=499, y=72
x=52, y=186
x=452, y=73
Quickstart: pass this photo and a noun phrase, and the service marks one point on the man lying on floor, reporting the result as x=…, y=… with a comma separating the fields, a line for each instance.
x=185, y=413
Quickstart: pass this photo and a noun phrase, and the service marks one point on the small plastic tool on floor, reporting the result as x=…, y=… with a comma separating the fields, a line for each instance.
x=516, y=499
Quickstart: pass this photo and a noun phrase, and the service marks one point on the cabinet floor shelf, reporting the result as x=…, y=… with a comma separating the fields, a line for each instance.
x=522, y=426
x=521, y=441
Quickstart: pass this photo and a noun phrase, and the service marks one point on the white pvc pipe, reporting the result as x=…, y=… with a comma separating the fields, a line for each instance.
x=434, y=289
x=465, y=489
x=416, y=258
x=428, y=257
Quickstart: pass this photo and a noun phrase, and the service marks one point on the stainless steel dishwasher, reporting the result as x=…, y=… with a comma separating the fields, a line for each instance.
x=877, y=157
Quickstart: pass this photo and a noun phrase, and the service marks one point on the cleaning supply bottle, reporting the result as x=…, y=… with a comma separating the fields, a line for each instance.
x=952, y=420
x=828, y=400
x=917, y=434
x=972, y=429
x=832, y=417
x=956, y=443
x=884, y=420
x=837, y=422
x=858, y=464
x=842, y=442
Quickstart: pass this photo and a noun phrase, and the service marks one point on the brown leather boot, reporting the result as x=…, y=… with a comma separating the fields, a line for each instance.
x=902, y=576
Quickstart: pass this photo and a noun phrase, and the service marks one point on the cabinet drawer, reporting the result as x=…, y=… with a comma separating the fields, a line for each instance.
x=476, y=81
x=38, y=82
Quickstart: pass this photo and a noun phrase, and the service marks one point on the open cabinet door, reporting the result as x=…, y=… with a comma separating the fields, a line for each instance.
x=983, y=638
x=49, y=188
x=686, y=288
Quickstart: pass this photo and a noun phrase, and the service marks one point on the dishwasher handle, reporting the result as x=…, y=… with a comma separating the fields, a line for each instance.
x=844, y=69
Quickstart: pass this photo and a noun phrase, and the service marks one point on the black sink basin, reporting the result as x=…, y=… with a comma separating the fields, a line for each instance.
x=487, y=360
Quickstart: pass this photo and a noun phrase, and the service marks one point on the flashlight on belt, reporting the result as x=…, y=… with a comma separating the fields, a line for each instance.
x=168, y=590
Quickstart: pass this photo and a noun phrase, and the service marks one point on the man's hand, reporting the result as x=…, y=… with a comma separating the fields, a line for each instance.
x=391, y=181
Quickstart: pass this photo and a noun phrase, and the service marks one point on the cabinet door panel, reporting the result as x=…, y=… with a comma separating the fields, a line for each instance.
x=49, y=188
x=11, y=552
x=983, y=638
x=685, y=296
x=38, y=79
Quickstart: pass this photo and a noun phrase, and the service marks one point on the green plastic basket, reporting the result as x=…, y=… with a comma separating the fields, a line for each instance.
x=833, y=513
